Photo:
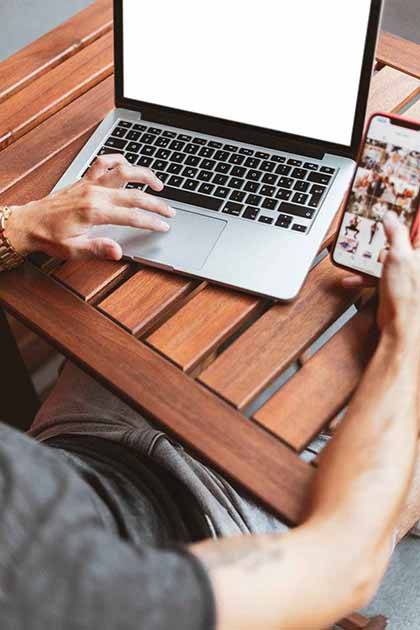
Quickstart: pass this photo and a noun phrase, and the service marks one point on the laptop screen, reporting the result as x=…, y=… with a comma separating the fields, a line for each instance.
x=293, y=67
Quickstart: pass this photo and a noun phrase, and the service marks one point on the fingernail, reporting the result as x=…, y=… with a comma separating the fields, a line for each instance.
x=172, y=211
x=164, y=226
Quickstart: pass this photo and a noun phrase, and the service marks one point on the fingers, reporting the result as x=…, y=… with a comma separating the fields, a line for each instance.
x=139, y=199
x=83, y=247
x=121, y=174
x=103, y=163
x=357, y=282
x=132, y=217
x=397, y=234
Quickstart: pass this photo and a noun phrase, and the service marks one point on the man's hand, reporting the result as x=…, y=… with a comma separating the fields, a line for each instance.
x=399, y=305
x=59, y=224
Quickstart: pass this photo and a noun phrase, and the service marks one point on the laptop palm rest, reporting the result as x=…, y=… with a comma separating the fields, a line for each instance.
x=187, y=244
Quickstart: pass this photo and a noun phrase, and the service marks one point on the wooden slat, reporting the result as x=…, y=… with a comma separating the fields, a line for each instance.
x=154, y=386
x=56, y=133
x=399, y=53
x=314, y=396
x=414, y=111
x=52, y=49
x=88, y=278
x=55, y=89
x=277, y=339
x=391, y=90
x=202, y=325
x=145, y=297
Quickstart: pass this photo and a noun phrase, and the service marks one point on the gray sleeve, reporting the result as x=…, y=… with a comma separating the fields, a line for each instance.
x=60, y=569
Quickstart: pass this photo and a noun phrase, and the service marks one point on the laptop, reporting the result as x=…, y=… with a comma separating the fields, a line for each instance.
x=251, y=113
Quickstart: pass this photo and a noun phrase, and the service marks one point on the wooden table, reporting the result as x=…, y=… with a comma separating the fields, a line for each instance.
x=199, y=359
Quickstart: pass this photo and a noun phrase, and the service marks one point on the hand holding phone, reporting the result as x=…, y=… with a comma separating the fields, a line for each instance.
x=387, y=178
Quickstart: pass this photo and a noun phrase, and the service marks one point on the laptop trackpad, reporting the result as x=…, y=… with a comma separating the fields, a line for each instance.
x=187, y=244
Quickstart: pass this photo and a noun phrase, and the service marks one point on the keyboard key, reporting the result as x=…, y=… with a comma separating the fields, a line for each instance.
x=178, y=157
x=108, y=151
x=184, y=138
x=192, y=160
x=318, y=190
x=116, y=143
x=270, y=178
x=284, y=221
x=190, y=184
x=176, y=145
x=270, y=204
x=220, y=179
x=285, y=182
x=254, y=200
x=236, y=182
x=252, y=187
x=148, y=150
x=254, y=176
x=237, y=195
x=299, y=228
x=135, y=186
x=284, y=195
x=155, y=130
x=233, y=208
x=315, y=201
x=215, y=145
x=201, y=141
x=160, y=165
x=206, y=152
x=300, y=198
x=278, y=158
x=238, y=171
x=261, y=155
x=267, y=220
x=186, y=196
x=169, y=134
x=163, y=154
x=174, y=168
x=191, y=149
x=230, y=147
x=267, y=167
x=223, y=167
x=299, y=173
x=268, y=191
x=301, y=186
x=162, y=176
x=221, y=192
x=208, y=165
x=295, y=210
x=131, y=157
x=189, y=172
x=206, y=188
x=252, y=162
x=205, y=176
x=311, y=166
x=133, y=147
x=119, y=132
x=250, y=213
x=144, y=160
x=235, y=158
x=294, y=162
x=125, y=123
x=221, y=156
x=319, y=178
x=138, y=127
x=245, y=151
x=283, y=169
x=148, y=138
x=328, y=170
x=175, y=181
x=162, y=142
x=133, y=135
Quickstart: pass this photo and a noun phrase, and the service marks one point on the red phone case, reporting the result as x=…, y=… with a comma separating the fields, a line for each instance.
x=415, y=230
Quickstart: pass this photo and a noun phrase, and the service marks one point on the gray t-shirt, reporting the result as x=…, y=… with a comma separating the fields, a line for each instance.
x=91, y=539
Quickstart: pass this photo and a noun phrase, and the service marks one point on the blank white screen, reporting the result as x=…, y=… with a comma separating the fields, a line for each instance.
x=288, y=66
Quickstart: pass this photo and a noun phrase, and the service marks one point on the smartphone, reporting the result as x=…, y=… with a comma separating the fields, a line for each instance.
x=387, y=178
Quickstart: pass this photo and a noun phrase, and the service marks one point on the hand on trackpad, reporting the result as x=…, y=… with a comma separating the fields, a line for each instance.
x=187, y=244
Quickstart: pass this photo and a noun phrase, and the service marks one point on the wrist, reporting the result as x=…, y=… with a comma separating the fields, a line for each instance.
x=20, y=232
x=399, y=339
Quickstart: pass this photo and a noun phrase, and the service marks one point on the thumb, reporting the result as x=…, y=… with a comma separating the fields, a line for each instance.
x=103, y=248
x=397, y=233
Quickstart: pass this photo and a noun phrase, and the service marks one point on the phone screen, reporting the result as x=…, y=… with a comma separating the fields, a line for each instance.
x=387, y=178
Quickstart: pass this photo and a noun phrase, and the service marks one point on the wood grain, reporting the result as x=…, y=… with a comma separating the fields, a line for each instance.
x=55, y=89
x=144, y=298
x=321, y=388
x=239, y=448
x=270, y=345
x=414, y=111
x=202, y=325
x=391, y=90
x=399, y=53
x=55, y=134
x=88, y=278
x=52, y=49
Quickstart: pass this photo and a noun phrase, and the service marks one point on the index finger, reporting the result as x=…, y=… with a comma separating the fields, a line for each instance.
x=397, y=233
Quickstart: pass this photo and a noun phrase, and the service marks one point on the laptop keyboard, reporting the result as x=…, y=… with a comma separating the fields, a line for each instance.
x=261, y=186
